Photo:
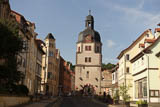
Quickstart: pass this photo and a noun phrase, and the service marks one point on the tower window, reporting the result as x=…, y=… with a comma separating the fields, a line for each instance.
x=87, y=75
x=89, y=24
x=87, y=59
x=88, y=48
x=97, y=49
x=78, y=49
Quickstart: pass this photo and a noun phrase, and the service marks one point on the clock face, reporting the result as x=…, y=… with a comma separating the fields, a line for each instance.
x=88, y=38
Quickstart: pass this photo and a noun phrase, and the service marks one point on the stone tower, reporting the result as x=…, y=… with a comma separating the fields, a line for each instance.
x=51, y=65
x=88, y=58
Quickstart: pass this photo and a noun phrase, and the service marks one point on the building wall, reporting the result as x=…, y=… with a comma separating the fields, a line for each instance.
x=44, y=71
x=106, y=82
x=124, y=63
x=152, y=74
x=94, y=77
x=52, y=66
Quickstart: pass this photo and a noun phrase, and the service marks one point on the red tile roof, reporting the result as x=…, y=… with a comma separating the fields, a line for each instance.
x=138, y=39
x=17, y=16
x=150, y=40
x=141, y=45
x=144, y=50
x=157, y=29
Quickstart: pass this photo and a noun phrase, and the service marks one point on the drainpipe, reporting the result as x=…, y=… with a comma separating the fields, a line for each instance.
x=125, y=70
x=148, y=81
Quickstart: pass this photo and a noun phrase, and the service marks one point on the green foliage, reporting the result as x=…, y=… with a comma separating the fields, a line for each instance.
x=10, y=45
x=116, y=95
x=123, y=92
x=71, y=65
x=108, y=66
x=13, y=89
x=140, y=102
x=1, y=1
x=10, y=42
x=21, y=90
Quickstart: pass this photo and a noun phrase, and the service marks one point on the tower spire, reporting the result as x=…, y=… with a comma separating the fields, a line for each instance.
x=89, y=12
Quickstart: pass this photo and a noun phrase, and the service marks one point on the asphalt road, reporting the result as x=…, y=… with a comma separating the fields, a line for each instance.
x=79, y=102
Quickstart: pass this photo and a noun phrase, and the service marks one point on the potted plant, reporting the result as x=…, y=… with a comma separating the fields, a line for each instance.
x=126, y=100
x=142, y=103
x=123, y=91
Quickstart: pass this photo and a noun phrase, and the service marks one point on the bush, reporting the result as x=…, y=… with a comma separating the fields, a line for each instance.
x=22, y=90
x=140, y=102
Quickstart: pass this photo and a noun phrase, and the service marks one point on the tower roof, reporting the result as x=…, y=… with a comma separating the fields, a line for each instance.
x=89, y=23
x=50, y=36
x=89, y=18
x=95, y=35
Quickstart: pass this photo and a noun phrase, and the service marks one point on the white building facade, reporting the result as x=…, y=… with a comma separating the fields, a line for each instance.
x=125, y=70
x=146, y=73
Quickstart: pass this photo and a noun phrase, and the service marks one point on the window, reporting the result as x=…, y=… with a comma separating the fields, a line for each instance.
x=78, y=49
x=49, y=75
x=154, y=93
x=50, y=53
x=83, y=67
x=87, y=75
x=141, y=88
x=127, y=70
x=24, y=63
x=50, y=45
x=147, y=35
x=113, y=77
x=88, y=48
x=97, y=49
x=87, y=59
x=25, y=44
x=127, y=57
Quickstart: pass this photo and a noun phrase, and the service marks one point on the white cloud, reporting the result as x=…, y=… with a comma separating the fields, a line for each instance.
x=136, y=15
x=110, y=43
x=141, y=4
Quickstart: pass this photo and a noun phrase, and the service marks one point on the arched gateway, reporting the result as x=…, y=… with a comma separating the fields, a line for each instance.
x=88, y=58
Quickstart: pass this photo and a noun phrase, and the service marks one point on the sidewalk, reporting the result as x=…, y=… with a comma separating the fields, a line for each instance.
x=121, y=105
x=41, y=103
x=118, y=105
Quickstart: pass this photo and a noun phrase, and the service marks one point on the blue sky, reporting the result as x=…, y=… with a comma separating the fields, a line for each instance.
x=119, y=22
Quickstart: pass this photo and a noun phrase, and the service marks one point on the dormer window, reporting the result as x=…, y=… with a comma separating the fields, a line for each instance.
x=147, y=35
x=127, y=57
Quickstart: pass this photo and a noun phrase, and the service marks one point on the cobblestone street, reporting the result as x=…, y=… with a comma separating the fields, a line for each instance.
x=76, y=101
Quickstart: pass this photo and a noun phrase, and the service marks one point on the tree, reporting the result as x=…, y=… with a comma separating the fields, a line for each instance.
x=108, y=66
x=123, y=92
x=10, y=45
x=71, y=66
